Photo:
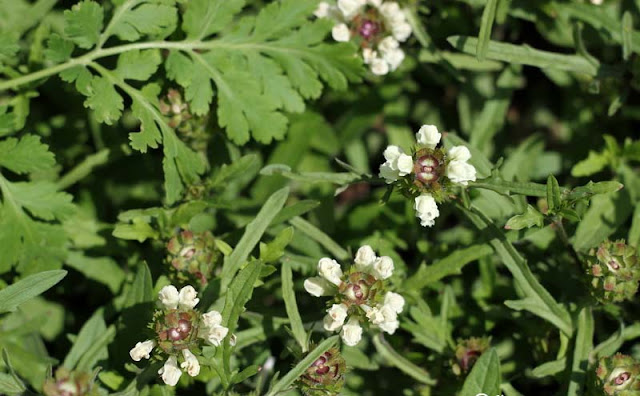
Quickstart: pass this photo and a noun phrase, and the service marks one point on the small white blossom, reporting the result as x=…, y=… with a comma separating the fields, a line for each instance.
x=391, y=11
x=341, y=33
x=401, y=31
x=428, y=136
x=188, y=297
x=461, y=172
x=169, y=297
x=426, y=209
x=459, y=153
x=382, y=268
x=390, y=322
x=365, y=256
x=368, y=55
x=170, y=372
x=212, y=318
x=323, y=10
x=405, y=164
x=330, y=270
x=351, y=333
x=142, y=350
x=388, y=44
x=397, y=164
x=350, y=7
x=394, y=58
x=375, y=3
x=374, y=315
x=190, y=364
x=233, y=339
x=388, y=173
x=596, y=2
x=379, y=66
x=394, y=301
x=216, y=335
x=318, y=286
x=335, y=317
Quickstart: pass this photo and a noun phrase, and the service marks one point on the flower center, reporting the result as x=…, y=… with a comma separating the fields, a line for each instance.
x=368, y=29
x=188, y=252
x=613, y=265
x=426, y=169
x=622, y=378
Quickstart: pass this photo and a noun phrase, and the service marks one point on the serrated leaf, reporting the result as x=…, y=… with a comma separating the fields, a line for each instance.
x=42, y=199
x=147, y=19
x=23, y=290
x=138, y=65
x=206, y=17
x=25, y=155
x=485, y=376
x=104, y=100
x=8, y=46
x=58, y=49
x=532, y=217
x=83, y=23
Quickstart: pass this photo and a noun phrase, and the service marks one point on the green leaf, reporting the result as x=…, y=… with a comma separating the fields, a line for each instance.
x=25, y=289
x=83, y=23
x=581, y=350
x=400, y=362
x=25, y=155
x=272, y=251
x=627, y=35
x=253, y=233
x=594, y=163
x=606, y=213
x=485, y=377
x=554, y=201
x=206, y=17
x=138, y=65
x=87, y=336
x=488, y=16
x=319, y=236
x=309, y=177
x=101, y=269
x=288, y=379
x=289, y=297
x=549, y=368
x=58, y=49
x=525, y=55
x=12, y=374
x=9, y=385
x=141, y=290
x=104, y=100
x=532, y=217
x=147, y=19
x=42, y=199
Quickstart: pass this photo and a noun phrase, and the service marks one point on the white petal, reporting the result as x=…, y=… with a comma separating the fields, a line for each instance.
x=188, y=297
x=392, y=153
x=318, y=286
x=388, y=44
x=387, y=172
x=212, y=318
x=459, y=153
x=190, y=364
x=323, y=10
x=401, y=31
x=330, y=270
x=429, y=136
x=217, y=334
x=382, y=268
x=405, y=165
x=169, y=297
x=341, y=33
x=351, y=332
x=368, y=55
x=375, y=316
x=335, y=317
x=142, y=350
x=170, y=372
x=394, y=58
x=350, y=7
x=426, y=209
x=379, y=67
x=394, y=301
x=461, y=172
x=365, y=256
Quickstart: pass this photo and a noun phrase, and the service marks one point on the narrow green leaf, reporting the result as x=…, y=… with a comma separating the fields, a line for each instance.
x=23, y=290
x=581, y=350
x=553, y=194
x=532, y=217
x=634, y=231
x=319, y=236
x=612, y=344
x=525, y=55
x=141, y=289
x=486, y=24
x=9, y=386
x=289, y=378
x=297, y=209
x=289, y=296
x=627, y=35
x=549, y=368
x=17, y=382
x=400, y=362
x=252, y=234
x=90, y=331
x=485, y=376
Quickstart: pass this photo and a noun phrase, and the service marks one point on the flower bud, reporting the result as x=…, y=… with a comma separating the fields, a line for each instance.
x=615, y=271
x=351, y=333
x=382, y=268
x=193, y=256
x=428, y=136
x=170, y=372
x=330, y=270
x=142, y=350
x=70, y=383
x=318, y=286
x=169, y=297
x=365, y=256
x=335, y=317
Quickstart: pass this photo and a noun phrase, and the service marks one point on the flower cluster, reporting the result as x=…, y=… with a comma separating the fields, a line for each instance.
x=325, y=376
x=615, y=271
x=428, y=172
x=193, y=256
x=617, y=375
x=359, y=294
x=467, y=352
x=377, y=26
x=70, y=383
x=180, y=332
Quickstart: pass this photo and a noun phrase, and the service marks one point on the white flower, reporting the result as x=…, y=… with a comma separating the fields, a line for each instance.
x=142, y=350
x=375, y=3
x=382, y=268
x=335, y=317
x=351, y=332
x=170, y=372
x=459, y=153
x=190, y=364
x=379, y=66
x=390, y=323
x=330, y=270
x=394, y=58
x=211, y=319
x=233, y=339
x=401, y=31
x=596, y=2
x=365, y=256
x=398, y=164
x=391, y=11
x=388, y=44
x=169, y=297
x=323, y=10
x=394, y=301
x=350, y=7
x=373, y=314
x=318, y=286
x=429, y=136
x=427, y=209
x=461, y=172
x=216, y=335
x=388, y=173
x=188, y=297
x=340, y=32
x=368, y=55
x=405, y=164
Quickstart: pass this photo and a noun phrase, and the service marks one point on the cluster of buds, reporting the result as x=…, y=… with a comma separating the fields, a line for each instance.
x=376, y=26
x=70, y=383
x=325, y=376
x=190, y=127
x=468, y=351
x=427, y=174
x=180, y=332
x=615, y=271
x=617, y=375
x=358, y=294
x=193, y=257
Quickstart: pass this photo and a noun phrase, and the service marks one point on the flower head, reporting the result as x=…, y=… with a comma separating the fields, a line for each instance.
x=193, y=256
x=376, y=26
x=325, y=376
x=70, y=383
x=359, y=295
x=615, y=271
x=617, y=375
x=428, y=173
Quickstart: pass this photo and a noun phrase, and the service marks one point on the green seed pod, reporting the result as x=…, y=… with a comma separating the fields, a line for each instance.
x=468, y=351
x=193, y=256
x=617, y=375
x=615, y=270
x=191, y=128
x=325, y=376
